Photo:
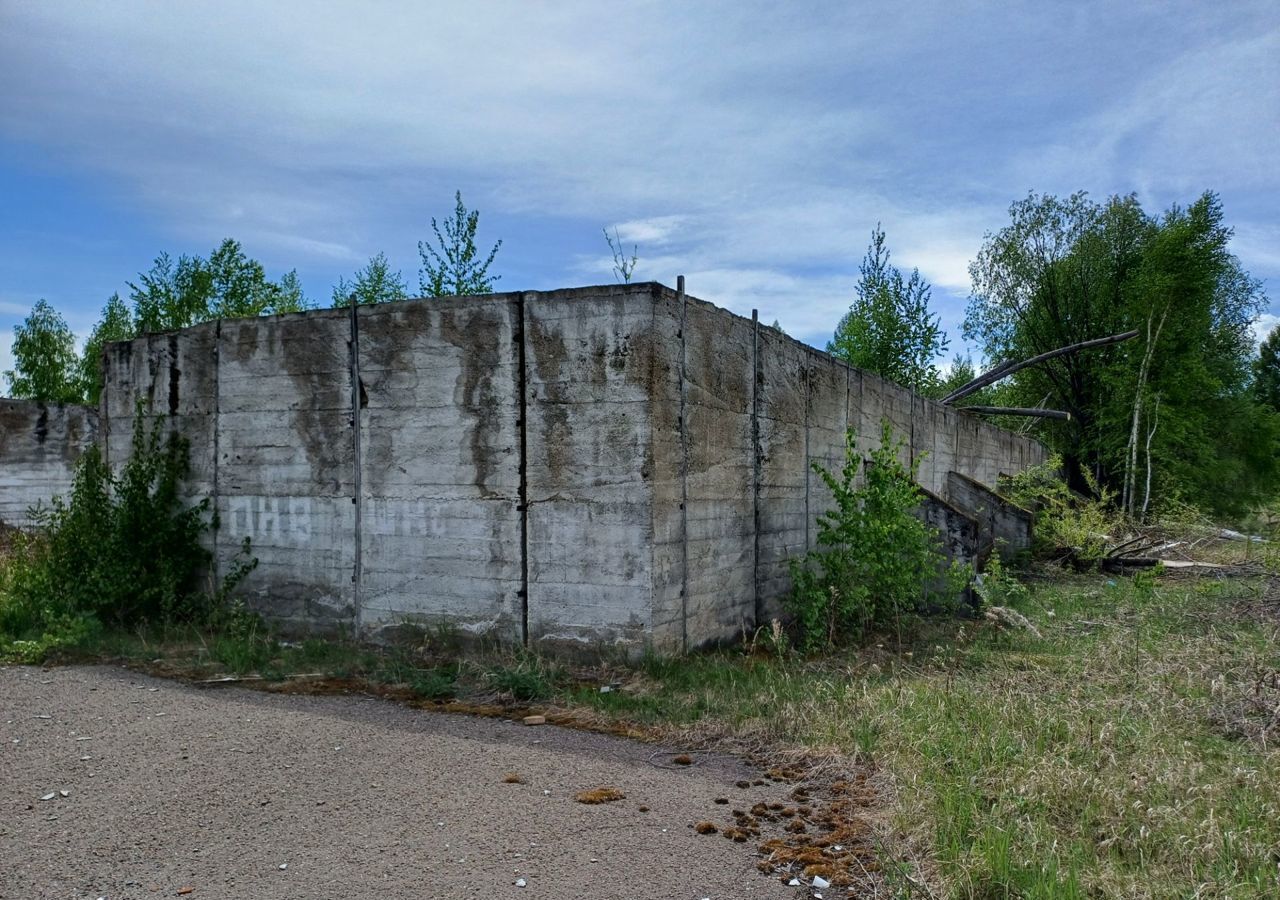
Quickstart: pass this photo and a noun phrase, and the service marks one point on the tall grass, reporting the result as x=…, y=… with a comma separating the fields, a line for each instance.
x=1112, y=757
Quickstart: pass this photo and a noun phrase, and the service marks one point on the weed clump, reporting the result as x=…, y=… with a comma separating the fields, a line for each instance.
x=525, y=679
x=599, y=795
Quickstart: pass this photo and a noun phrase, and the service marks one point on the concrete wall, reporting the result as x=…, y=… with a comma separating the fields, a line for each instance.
x=614, y=465
x=39, y=446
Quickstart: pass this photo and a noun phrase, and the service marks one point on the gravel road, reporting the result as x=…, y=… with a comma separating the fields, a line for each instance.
x=172, y=790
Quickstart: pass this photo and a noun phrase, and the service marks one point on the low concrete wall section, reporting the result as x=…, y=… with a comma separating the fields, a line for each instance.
x=40, y=444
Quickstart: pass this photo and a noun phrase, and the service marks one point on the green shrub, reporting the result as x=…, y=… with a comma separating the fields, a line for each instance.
x=1068, y=526
x=877, y=558
x=121, y=550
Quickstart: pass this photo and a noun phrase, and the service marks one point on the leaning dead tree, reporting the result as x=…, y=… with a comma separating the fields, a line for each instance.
x=1005, y=369
x=1036, y=411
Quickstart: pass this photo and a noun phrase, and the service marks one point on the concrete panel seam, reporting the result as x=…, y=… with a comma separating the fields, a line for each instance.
x=522, y=388
x=684, y=469
x=807, y=372
x=353, y=345
x=755, y=462
x=217, y=460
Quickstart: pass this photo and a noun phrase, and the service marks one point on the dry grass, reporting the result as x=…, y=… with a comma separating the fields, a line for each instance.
x=599, y=795
x=1128, y=752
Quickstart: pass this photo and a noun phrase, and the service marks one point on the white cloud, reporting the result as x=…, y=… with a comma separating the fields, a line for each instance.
x=656, y=230
x=747, y=145
x=1263, y=327
x=1257, y=244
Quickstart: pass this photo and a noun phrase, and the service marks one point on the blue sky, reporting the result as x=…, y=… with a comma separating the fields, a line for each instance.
x=749, y=146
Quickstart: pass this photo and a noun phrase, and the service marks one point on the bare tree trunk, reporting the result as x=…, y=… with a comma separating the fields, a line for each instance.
x=1030, y=411
x=1129, y=496
x=1155, y=423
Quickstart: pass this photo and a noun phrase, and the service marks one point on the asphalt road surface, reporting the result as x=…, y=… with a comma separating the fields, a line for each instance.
x=160, y=789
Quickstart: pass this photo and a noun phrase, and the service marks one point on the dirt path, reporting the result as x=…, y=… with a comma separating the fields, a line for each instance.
x=239, y=794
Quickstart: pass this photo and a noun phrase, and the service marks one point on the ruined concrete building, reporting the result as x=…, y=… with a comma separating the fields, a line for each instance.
x=621, y=465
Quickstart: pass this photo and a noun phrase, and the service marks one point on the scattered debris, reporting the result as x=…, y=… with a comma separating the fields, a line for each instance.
x=520, y=882
x=48, y=796
x=534, y=720
x=1228, y=535
x=1011, y=618
x=599, y=795
x=233, y=679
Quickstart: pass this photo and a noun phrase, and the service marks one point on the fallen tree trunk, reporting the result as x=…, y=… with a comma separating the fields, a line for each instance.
x=1018, y=411
x=1004, y=370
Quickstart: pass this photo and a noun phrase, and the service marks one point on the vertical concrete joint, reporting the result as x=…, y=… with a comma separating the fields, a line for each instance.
x=756, y=377
x=522, y=387
x=217, y=459
x=807, y=373
x=353, y=346
x=684, y=471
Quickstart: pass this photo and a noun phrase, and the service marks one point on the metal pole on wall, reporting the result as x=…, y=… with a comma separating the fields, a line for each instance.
x=755, y=462
x=353, y=347
x=523, y=387
x=684, y=474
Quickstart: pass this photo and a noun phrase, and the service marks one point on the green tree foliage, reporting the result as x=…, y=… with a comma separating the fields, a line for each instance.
x=375, y=283
x=453, y=266
x=1167, y=415
x=877, y=558
x=225, y=286
x=1266, y=371
x=171, y=295
x=239, y=287
x=116, y=324
x=962, y=371
x=45, y=365
x=890, y=329
x=292, y=299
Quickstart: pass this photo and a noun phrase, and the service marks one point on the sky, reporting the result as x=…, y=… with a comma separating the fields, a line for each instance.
x=751, y=147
